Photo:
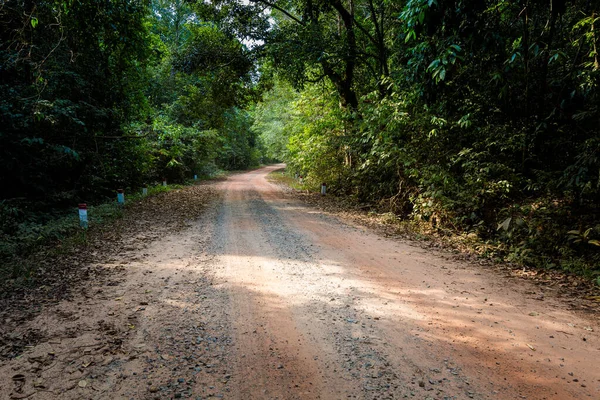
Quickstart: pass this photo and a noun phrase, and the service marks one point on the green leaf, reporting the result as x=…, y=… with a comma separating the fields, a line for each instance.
x=442, y=75
x=433, y=64
x=34, y=21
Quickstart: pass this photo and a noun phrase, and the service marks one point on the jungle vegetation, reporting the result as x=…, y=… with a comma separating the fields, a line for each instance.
x=470, y=118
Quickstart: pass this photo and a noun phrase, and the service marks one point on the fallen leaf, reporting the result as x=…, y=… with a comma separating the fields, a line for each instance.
x=534, y=314
x=82, y=383
x=531, y=347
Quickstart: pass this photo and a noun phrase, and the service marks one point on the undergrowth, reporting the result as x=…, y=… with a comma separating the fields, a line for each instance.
x=25, y=232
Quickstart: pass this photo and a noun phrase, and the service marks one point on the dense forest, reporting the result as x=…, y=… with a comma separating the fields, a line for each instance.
x=101, y=95
x=477, y=119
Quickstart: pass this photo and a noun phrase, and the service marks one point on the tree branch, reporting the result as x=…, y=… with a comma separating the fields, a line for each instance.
x=276, y=7
x=364, y=30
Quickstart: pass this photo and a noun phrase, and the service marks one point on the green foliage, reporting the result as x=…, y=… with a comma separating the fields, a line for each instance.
x=316, y=148
x=238, y=142
x=116, y=94
x=97, y=95
x=69, y=80
x=484, y=122
x=476, y=117
x=271, y=120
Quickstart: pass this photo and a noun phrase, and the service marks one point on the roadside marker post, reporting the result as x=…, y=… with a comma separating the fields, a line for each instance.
x=323, y=189
x=83, y=217
x=195, y=177
x=120, y=197
x=145, y=191
x=301, y=181
x=164, y=181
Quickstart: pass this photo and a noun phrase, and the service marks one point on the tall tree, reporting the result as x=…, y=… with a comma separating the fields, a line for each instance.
x=346, y=42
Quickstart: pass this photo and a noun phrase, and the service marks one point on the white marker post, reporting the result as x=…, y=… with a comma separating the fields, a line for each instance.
x=164, y=181
x=195, y=177
x=301, y=181
x=120, y=197
x=323, y=189
x=83, y=219
x=145, y=191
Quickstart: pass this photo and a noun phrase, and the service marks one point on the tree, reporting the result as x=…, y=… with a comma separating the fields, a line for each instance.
x=345, y=42
x=487, y=113
x=72, y=75
x=272, y=118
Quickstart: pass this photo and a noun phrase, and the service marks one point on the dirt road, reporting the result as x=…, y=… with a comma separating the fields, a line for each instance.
x=263, y=297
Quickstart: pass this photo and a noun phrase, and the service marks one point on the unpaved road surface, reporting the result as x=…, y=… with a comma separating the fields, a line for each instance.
x=262, y=297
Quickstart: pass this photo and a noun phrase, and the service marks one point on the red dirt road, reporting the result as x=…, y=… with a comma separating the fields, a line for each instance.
x=266, y=298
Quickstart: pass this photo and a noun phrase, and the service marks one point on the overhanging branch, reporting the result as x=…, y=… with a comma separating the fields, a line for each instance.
x=276, y=7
